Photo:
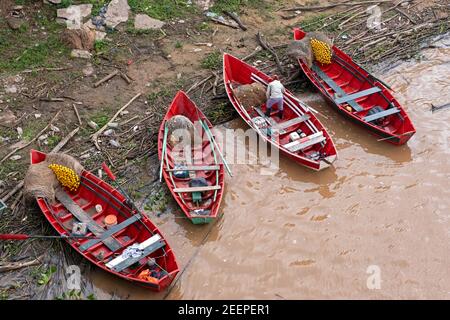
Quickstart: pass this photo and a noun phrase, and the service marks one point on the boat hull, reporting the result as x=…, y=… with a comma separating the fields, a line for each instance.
x=85, y=198
x=397, y=132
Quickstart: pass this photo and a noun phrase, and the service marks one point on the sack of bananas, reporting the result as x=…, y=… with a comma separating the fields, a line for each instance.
x=66, y=176
x=322, y=51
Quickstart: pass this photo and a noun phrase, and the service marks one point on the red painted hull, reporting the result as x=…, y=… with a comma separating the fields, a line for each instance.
x=396, y=129
x=237, y=72
x=95, y=191
x=182, y=105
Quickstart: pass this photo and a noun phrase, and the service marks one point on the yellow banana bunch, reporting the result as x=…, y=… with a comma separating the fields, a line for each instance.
x=322, y=51
x=66, y=176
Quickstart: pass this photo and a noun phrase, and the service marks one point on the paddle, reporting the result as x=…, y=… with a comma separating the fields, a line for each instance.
x=393, y=137
x=211, y=137
x=18, y=236
x=370, y=75
x=163, y=153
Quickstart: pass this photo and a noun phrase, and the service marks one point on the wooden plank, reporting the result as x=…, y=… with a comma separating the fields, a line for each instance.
x=196, y=189
x=333, y=85
x=110, y=232
x=357, y=95
x=83, y=217
x=142, y=246
x=305, y=142
x=292, y=122
x=146, y=252
x=195, y=168
x=381, y=114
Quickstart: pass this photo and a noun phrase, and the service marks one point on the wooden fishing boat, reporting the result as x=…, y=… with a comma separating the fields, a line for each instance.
x=360, y=96
x=314, y=150
x=90, y=204
x=196, y=183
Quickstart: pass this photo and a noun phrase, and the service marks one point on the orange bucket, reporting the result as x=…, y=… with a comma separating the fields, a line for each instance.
x=110, y=220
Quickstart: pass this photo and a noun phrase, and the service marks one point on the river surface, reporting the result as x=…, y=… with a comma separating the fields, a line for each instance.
x=381, y=213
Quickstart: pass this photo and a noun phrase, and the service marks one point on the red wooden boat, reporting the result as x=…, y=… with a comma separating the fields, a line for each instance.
x=126, y=249
x=315, y=150
x=200, y=202
x=360, y=96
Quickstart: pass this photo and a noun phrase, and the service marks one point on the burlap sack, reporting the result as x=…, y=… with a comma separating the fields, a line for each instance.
x=41, y=182
x=301, y=49
x=251, y=95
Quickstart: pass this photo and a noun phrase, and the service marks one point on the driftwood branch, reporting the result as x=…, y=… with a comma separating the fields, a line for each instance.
x=266, y=46
x=330, y=6
x=224, y=23
x=236, y=18
x=99, y=132
x=19, y=265
x=77, y=114
x=108, y=77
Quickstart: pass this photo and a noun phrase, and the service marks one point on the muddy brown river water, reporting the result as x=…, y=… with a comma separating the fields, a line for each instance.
x=300, y=234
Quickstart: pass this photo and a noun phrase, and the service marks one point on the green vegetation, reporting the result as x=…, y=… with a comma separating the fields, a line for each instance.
x=26, y=49
x=212, y=61
x=43, y=276
x=236, y=5
x=162, y=9
x=157, y=202
x=53, y=141
x=100, y=118
x=178, y=45
x=219, y=113
x=101, y=46
x=74, y=295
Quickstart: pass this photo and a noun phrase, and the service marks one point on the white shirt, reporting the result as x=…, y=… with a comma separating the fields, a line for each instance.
x=275, y=90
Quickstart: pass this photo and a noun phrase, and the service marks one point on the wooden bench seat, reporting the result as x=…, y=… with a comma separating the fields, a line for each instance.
x=381, y=114
x=83, y=217
x=333, y=85
x=357, y=95
x=196, y=189
x=303, y=143
x=148, y=247
x=195, y=168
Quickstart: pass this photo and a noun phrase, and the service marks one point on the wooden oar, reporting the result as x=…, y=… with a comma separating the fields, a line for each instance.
x=19, y=236
x=211, y=137
x=163, y=152
x=392, y=137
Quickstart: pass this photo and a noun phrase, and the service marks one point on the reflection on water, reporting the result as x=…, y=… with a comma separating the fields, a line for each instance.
x=303, y=234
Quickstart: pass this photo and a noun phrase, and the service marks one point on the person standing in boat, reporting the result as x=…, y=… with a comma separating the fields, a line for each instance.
x=274, y=94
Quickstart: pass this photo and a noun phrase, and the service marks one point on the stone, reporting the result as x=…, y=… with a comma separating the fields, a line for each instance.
x=100, y=35
x=11, y=89
x=83, y=54
x=16, y=157
x=54, y=1
x=108, y=132
x=113, y=125
x=54, y=128
x=114, y=143
x=73, y=15
x=7, y=118
x=93, y=125
x=88, y=70
x=15, y=23
x=204, y=4
x=144, y=22
x=116, y=12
